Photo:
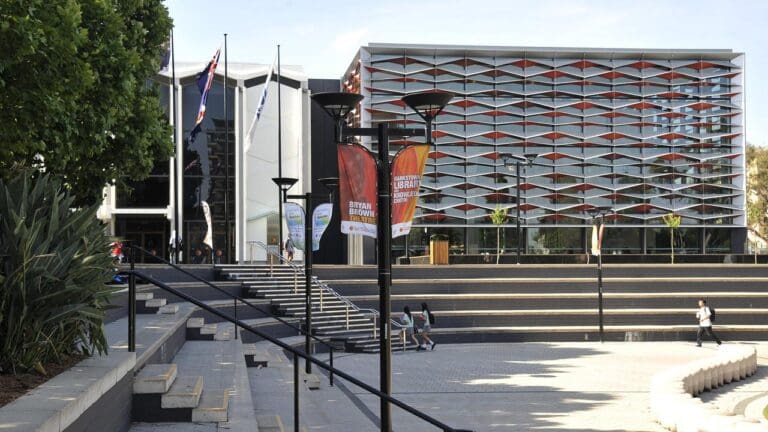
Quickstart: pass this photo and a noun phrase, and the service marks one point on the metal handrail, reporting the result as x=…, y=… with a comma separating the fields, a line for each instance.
x=236, y=298
x=331, y=291
x=296, y=353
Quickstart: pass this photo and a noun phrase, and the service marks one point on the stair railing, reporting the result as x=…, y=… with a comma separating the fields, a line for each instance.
x=235, y=298
x=349, y=304
x=133, y=273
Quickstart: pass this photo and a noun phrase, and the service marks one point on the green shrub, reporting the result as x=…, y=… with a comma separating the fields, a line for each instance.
x=54, y=261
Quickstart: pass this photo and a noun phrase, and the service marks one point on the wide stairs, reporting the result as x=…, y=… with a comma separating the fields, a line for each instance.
x=334, y=318
x=487, y=303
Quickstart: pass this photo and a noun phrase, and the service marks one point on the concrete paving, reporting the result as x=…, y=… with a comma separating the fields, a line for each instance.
x=516, y=387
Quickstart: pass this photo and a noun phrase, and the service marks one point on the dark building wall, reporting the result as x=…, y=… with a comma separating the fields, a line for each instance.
x=333, y=245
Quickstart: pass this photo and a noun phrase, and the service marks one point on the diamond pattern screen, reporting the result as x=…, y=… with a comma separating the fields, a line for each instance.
x=644, y=136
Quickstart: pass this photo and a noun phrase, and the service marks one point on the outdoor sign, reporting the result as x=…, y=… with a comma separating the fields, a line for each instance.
x=321, y=218
x=407, y=168
x=209, y=234
x=357, y=190
x=294, y=218
x=597, y=239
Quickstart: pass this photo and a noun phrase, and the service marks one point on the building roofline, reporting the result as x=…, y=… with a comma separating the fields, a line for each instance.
x=554, y=51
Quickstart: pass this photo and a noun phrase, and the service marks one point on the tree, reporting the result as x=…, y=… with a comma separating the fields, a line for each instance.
x=673, y=223
x=757, y=189
x=498, y=217
x=74, y=92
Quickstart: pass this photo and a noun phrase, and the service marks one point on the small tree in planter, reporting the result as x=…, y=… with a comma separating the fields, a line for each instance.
x=673, y=223
x=54, y=261
x=499, y=217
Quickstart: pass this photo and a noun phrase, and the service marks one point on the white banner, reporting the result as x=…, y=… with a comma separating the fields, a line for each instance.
x=294, y=218
x=321, y=218
x=209, y=234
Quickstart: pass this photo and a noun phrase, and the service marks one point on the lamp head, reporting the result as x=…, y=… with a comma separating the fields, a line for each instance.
x=331, y=183
x=593, y=211
x=511, y=160
x=284, y=183
x=337, y=105
x=530, y=157
x=428, y=104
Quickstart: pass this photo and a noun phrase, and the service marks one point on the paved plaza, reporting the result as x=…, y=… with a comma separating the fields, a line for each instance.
x=507, y=387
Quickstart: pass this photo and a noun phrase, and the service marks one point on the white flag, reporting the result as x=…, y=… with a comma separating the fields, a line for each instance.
x=208, y=235
x=260, y=106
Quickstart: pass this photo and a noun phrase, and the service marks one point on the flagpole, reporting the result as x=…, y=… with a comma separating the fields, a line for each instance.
x=226, y=160
x=279, y=154
x=177, y=175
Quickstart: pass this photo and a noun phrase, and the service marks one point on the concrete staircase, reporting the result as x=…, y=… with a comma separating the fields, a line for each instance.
x=159, y=395
x=487, y=303
x=146, y=303
x=333, y=318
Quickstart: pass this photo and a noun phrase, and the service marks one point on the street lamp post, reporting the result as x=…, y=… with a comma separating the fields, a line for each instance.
x=338, y=105
x=284, y=184
x=527, y=159
x=598, y=217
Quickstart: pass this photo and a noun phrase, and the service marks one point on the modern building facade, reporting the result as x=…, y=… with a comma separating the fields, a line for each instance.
x=642, y=132
x=171, y=198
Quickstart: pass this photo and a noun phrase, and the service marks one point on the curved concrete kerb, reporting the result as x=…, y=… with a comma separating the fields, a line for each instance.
x=672, y=397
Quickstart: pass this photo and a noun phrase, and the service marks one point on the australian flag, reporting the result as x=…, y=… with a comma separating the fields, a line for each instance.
x=204, y=81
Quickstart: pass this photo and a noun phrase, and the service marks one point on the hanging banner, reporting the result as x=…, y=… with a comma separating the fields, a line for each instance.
x=294, y=218
x=597, y=239
x=209, y=234
x=357, y=190
x=321, y=218
x=407, y=169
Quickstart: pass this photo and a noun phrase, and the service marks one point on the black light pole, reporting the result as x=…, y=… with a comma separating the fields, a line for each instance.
x=226, y=160
x=598, y=216
x=338, y=105
x=285, y=183
x=528, y=159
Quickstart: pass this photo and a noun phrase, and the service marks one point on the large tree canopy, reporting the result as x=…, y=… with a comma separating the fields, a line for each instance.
x=74, y=93
x=757, y=189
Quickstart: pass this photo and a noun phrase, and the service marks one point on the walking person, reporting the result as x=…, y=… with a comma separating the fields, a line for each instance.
x=705, y=317
x=407, y=320
x=429, y=319
x=289, y=248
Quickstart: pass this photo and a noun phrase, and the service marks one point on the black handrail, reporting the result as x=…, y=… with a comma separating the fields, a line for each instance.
x=296, y=353
x=232, y=296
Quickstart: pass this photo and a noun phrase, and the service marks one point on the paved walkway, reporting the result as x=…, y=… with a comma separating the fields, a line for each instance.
x=519, y=387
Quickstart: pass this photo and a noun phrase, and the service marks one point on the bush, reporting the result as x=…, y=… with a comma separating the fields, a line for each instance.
x=54, y=261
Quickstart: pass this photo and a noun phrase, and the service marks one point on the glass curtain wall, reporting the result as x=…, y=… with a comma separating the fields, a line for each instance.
x=204, y=174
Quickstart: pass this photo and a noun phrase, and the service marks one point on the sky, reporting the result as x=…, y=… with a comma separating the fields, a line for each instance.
x=323, y=36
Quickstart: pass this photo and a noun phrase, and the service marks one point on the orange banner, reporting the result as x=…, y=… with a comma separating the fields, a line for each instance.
x=357, y=190
x=407, y=169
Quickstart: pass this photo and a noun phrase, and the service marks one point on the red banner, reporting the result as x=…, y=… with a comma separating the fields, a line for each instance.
x=407, y=169
x=357, y=190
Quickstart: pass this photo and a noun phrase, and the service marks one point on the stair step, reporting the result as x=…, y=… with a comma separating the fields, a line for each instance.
x=195, y=322
x=141, y=296
x=184, y=393
x=169, y=309
x=155, y=303
x=222, y=334
x=270, y=423
x=209, y=329
x=213, y=407
x=155, y=378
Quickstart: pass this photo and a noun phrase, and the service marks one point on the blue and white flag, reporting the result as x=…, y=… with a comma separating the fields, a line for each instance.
x=260, y=106
x=204, y=81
